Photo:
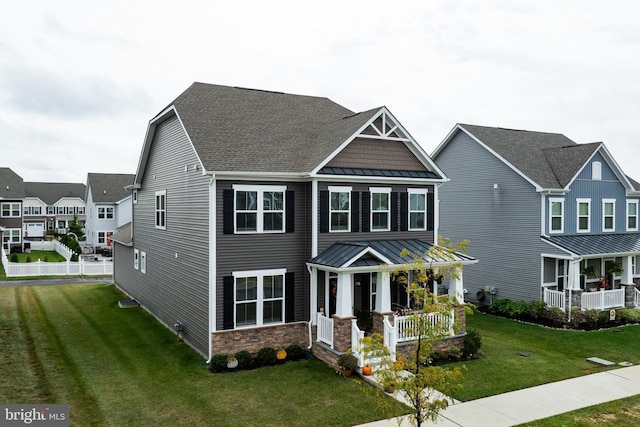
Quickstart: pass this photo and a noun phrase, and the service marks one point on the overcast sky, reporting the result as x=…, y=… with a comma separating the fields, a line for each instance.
x=80, y=80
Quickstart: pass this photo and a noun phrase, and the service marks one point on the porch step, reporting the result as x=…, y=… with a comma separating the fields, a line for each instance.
x=599, y=361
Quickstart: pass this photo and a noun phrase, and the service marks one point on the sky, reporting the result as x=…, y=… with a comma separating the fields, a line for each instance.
x=80, y=80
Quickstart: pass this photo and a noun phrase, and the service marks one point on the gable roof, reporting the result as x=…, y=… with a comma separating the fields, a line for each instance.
x=51, y=192
x=109, y=187
x=242, y=130
x=11, y=184
x=550, y=161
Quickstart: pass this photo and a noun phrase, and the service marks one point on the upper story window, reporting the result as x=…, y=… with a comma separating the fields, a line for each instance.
x=10, y=209
x=556, y=215
x=608, y=215
x=339, y=208
x=105, y=212
x=80, y=210
x=596, y=171
x=259, y=297
x=161, y=209
x=50, y=210
x=417, y=209
x=143, y=262
x=380, y=209
x=632, y=215
x=259, y=209
x=32, y=210
x=584, y=215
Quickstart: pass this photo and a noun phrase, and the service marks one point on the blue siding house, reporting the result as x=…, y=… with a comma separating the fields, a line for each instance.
x=550, y=219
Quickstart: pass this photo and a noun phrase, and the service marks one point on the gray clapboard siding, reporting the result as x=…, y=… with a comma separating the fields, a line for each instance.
x=175, y=286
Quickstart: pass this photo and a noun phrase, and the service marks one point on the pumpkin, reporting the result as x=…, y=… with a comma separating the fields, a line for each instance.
x=282, y=354
x=367, y=370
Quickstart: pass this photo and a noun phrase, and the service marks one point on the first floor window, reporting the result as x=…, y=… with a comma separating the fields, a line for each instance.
x=11, y=236
x=143, y=262
x=259, y=297
x=417, y=209
x=632, y=215
x=102, y=237
x=161, y=209
x=136, y=259
x=556, y=215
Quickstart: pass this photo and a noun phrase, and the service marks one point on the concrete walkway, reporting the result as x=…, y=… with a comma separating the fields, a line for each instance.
x=535, y=403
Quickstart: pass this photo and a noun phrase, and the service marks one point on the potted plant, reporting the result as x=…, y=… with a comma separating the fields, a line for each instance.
x=347, y=363
x=232, y=362
x=611, y=271
x=588, y=272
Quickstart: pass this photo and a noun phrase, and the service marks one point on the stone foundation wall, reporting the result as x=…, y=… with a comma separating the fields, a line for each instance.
x=405, y=350
x=342, y=333
x=253, y=339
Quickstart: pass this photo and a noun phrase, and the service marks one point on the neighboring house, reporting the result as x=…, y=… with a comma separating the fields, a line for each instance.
x=11, y=195
x=539, y=208
x=108, y=206
x=254, y=211
x=49, y=207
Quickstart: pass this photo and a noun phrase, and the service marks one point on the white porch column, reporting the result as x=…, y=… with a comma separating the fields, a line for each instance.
x=627, y=278
x=313, y=295
x=456, y=288
x=344, y=300
x=573, y=275
x=383, y=298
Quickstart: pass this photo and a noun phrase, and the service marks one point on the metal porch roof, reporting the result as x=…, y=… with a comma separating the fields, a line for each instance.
x=598, y=244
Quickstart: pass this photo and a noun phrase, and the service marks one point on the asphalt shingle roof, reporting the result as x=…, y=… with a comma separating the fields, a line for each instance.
x=598, y=244
x=11, y=184
x=108, y=187
x=51, y=192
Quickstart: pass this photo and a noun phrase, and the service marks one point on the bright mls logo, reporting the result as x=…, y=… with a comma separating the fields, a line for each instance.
x=34, y=415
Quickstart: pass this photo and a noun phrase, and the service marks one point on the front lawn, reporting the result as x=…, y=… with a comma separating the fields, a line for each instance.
x=72, y=344
x=519, y=355
x=44, y=256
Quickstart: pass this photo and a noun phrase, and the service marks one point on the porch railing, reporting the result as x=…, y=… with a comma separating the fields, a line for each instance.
x=602, y=300
x=408, y=328
x=636, y=298
x=325, y=329
x=389, y=336
x=554, y=298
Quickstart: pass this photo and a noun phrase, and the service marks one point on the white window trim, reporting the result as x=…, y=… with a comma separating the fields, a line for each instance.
x=143, y=262
x=11, y=210
x=604, y=202
x=379, y=190
x=626, y=225
x=136, y=259
x=106, y=212
x=340, y=189
x=163, y=225
x=596, y=171
x=260, y=274
x=11, y=233
x=553, y=200
x=588, y=202
x=411, y=191
x=260, y=190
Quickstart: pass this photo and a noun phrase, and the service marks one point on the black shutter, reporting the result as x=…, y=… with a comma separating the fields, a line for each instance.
x=355, y=211
x=227, y=211
x=290, y=219
x=394, y=211
x=324, y=211
x=227, y=302
x=366, y=211
x=289, y=298
x=430, y=211
x=404, y=211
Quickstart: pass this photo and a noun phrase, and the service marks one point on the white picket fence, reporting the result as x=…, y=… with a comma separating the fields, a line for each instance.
x=67, y=268
x=603, y=300
x=554, y=298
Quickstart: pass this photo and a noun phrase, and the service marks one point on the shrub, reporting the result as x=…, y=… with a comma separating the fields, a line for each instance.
x=472, y=343
x=74, y=257
x=499, y=306
x=591, y=318
x=556, y=315
x=218, y=363
x=517, y=309
x=295, y=352
x=29, y=258
x=438, y=357
x=245, y=360
x=266, y=357
x=348, y=361
x=454, y=352
x=629, y=315
x=537, y=309
x=14, y=257
x=46, y=258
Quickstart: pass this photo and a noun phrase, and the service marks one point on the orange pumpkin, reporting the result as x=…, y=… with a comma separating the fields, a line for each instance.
x=366, y=370
x=282, y=354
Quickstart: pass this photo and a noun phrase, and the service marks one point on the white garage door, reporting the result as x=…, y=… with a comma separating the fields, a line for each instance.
x=35, y=230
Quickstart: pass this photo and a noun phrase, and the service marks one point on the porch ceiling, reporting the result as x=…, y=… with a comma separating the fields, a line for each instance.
x=598, y=244
x=375, y=252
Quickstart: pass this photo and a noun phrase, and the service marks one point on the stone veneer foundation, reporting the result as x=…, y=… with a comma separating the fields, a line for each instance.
x=253, y=339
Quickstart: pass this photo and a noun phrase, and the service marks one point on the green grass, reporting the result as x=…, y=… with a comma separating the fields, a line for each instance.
x=554, y=354
x=52, y=256
x=72, y=344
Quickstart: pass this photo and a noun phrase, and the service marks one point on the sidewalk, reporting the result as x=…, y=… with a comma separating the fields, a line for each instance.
x=539, y=402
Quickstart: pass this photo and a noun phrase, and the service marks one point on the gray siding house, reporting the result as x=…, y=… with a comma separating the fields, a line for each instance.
x=12, y=193
x=256, y=212
x=539, y=209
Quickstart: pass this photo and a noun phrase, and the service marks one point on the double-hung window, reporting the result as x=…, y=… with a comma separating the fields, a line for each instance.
x=632, y=215
x=105, y=212
x=380, y=211
x=161, y=209
x=259, y=209
x=143, y=262
x=259, y=297
x=584, y=215
x=10, y=210
x=11, y=235
x=136, y=259
x=608, y=214
x=556, y=215
x=417, y=209
x=339, y=208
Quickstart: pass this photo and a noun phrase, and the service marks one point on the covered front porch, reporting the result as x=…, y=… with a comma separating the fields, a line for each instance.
x=597, y=272
x=354, y=291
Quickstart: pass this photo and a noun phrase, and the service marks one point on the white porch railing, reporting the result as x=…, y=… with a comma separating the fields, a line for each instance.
x=554, y=298
x=636, y=298
x=408, y=328
x=602, y=300
x=325, y=329
x=389, y=336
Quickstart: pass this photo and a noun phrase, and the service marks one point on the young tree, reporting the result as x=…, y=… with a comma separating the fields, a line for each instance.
x=425, y=386
x=75, y=227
